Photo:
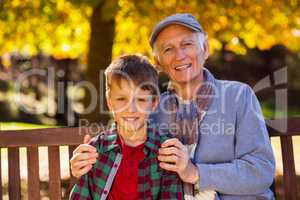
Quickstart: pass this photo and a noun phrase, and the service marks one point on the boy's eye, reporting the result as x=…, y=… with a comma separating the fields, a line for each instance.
x=142, y=99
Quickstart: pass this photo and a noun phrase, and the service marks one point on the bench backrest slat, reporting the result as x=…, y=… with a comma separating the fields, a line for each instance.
x=289, y=173
x=73, y=180
x=54, y=173
x=14, y=182
x=33, y=173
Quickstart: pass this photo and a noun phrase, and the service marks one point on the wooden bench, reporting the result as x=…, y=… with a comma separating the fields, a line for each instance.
x=53, y=138
x=288, y=160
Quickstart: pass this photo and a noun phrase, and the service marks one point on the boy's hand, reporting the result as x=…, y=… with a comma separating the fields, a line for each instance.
x=174, y=157
x=83, y=157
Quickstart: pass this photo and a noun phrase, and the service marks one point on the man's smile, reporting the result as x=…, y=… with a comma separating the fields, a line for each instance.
x=183, y=67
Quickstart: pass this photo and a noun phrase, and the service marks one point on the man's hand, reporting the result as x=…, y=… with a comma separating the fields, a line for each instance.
x=83, y=157
x=173, y=156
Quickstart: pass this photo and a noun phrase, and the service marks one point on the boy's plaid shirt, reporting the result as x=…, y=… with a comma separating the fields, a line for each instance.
x=153, y=182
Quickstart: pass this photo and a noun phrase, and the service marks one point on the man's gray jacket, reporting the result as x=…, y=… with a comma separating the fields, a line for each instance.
x=234, y=155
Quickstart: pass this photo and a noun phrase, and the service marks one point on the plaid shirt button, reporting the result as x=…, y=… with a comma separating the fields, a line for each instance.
x=115, y=165
x=105, y=191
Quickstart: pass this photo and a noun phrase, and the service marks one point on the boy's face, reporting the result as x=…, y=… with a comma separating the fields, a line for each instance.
x=130, y=105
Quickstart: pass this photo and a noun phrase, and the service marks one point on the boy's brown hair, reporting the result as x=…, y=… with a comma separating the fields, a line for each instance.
x=134, y=68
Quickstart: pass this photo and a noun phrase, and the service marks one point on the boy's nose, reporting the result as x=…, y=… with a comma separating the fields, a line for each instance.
x=132, y=106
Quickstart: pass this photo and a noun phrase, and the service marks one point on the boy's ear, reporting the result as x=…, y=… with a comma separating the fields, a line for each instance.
x=108, y=102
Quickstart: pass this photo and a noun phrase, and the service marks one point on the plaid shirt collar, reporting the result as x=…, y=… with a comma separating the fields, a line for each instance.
x=152, y=143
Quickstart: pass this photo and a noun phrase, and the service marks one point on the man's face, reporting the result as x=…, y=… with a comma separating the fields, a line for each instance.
x=130, y=105
x=179, y=53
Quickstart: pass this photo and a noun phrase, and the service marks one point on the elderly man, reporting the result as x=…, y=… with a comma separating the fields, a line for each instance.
x=222, y=145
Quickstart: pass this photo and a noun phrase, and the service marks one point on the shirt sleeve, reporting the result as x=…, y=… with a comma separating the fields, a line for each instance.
x=253, y=169
x=81, y=190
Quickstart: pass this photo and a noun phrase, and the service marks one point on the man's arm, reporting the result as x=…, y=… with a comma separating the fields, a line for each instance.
x=173, y=156
x=252, y=172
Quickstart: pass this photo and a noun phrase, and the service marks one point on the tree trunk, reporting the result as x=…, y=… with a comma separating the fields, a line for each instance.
x=99, y=57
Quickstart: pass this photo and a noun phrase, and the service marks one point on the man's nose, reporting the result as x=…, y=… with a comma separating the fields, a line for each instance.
x=180, y=54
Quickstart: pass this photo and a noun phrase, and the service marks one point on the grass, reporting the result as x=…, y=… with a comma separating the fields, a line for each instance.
x=21, y=126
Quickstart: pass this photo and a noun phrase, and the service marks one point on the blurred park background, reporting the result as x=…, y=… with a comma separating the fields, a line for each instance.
x=71, y=40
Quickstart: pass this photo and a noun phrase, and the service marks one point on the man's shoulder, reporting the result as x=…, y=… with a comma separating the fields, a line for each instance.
x=230, y=84
x=234, y=89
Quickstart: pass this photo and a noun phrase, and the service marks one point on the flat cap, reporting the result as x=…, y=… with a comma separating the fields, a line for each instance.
x=184, y=19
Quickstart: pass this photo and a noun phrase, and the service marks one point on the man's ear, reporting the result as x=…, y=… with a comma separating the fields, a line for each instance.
x=206, y=49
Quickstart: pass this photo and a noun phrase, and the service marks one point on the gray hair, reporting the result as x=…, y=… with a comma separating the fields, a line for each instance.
x=202, y=38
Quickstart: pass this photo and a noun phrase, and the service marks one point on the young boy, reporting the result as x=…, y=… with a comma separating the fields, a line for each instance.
x=127, y=167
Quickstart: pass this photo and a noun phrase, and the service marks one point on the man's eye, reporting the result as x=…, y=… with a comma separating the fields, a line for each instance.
x=167, y=50
x=120, y=99
x=187, y=43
